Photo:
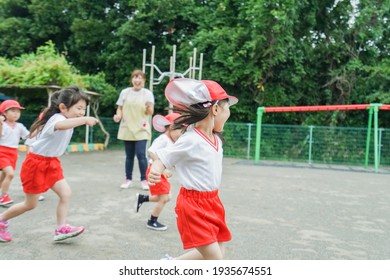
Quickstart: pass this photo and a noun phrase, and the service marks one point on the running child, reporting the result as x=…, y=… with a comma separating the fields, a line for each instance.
x=197, y=157
x=160, y=192
x=41, y=170
x=11, y=131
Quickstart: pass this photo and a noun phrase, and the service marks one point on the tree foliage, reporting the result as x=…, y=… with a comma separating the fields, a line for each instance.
x=266, y=52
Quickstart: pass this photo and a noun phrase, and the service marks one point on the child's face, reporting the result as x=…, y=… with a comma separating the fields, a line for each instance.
x=12, y=114
x=75, y=111
x=222, y=115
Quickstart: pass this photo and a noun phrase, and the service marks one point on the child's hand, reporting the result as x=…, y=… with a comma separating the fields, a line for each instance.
x=91, y=121
x=154, y=177
x=167, y=173
x=2, y=119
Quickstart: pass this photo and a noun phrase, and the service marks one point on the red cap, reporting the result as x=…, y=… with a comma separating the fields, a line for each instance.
x=189, y=91
x=8, y=104
x=160, y=121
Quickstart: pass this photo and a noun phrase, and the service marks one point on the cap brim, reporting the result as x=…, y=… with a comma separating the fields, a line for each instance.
x=159, y=123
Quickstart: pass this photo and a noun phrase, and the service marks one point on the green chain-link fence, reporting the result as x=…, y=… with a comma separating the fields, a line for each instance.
x=310, y=144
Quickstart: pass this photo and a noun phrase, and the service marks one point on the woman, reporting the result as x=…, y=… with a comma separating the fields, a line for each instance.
x=135, y=106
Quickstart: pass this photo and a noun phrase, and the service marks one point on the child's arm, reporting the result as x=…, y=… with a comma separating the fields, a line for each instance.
x=155, y=172
x=2, y=119
x=74, y=122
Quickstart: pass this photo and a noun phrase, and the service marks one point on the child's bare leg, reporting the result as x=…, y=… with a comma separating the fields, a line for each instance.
x=29, y=203
x=162, y=200
x=7, y=175
x=214, y=251
x=62, y=189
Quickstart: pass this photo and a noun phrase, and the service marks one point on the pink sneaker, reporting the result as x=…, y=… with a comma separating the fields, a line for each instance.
x=5, y=199
x=67, y=231
x=5, y=236
x=4, y=224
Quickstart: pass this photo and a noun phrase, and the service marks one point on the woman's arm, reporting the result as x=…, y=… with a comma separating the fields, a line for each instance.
x=149, y=108
x=118, y=116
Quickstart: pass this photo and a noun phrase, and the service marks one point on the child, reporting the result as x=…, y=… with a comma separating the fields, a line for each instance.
x=197, y=157
x=10, y=134
x=160, y=192
x=41, y=170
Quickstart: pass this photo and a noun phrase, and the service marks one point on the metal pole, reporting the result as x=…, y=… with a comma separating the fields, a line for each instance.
x=194, y=64
x=152, y=69
x=249, y=140
x=310, y=142
x=200, y=66
x=368, y=135
x=144, y=60
x=87, y=126
x=376, y=109
x=380, y=145
x=260, y=111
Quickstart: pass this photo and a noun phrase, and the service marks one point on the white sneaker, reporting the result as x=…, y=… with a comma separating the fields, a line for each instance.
x=126, y=184
x=41, y=197
x=167, y=258
x=145, y=185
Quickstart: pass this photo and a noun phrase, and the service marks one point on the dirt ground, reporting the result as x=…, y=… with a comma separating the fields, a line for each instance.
x=274, y=213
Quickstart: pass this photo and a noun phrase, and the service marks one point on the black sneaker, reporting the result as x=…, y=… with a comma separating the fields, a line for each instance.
x=139, y=199
x=156, y=225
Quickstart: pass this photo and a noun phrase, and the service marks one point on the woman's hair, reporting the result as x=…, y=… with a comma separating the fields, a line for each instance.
x=137, y=72
x=194, y=113
x=68, y=96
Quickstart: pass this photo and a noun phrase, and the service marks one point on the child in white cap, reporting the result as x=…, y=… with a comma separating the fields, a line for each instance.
x=161, y=191
x=197, y=157
x=11, y=131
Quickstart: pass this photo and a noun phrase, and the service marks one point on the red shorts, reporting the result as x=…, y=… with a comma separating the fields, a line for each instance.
x=162, y=187
x=8, y=157
x=200, y=218
x=40, y=173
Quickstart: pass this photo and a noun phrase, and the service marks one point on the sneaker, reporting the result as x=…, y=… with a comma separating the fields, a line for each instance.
x=167, y=258
x=4, y=224
x=139, y=200
x=67, y=231
x=156, y=225
x=126, y=184
x=5, y=199
x=41, y=197
x=5, y=236
x=145, y=185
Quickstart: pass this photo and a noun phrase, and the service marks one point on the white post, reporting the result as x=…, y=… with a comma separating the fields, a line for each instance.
x=152, y=69
x=87, y=126
x=194, y=64
x=200, y=66
x=144, y=60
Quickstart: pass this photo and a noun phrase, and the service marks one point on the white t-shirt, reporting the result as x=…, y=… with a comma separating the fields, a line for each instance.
x=161, y=142
x=11, y=136
x=51, y=142
x=198, y=161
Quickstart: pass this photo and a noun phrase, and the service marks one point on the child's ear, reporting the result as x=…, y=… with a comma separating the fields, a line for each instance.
x=214, y=109
x=62, y=107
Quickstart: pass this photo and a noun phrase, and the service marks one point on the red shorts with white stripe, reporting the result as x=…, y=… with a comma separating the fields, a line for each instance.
x=162, y=187
x=200, y=218
x=8, y=157
x=39, y=173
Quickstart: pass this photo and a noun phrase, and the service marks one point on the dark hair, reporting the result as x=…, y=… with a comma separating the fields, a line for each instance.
x=68, y=96
x=194, y=113
x=137, y=72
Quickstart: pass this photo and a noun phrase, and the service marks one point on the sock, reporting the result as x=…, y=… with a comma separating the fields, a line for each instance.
x=153, y=218
x=144, y=198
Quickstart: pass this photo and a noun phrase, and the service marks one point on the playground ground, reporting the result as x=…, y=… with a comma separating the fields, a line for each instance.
x=274, y=213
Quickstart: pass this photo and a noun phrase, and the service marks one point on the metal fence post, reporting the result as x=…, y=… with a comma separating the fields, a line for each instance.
x=310, y=142
x=248, y=152
x=260, y=111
